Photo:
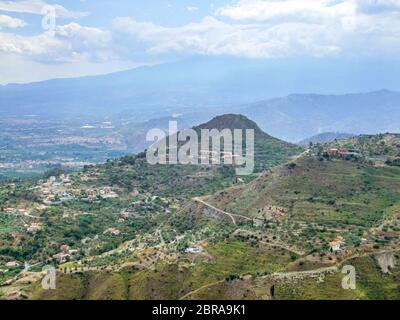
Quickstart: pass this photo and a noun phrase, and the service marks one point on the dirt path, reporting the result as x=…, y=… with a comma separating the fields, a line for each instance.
x=232, y=216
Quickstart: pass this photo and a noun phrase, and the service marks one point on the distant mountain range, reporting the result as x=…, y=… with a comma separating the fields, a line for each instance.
x=198, y=89
x=325, y=137
x=298, y=117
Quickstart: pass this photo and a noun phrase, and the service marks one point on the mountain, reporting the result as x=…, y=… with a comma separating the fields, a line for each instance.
x=268, y=151
x=324, y=138
x=300, y=116
x=232, y=121
x=198, y=84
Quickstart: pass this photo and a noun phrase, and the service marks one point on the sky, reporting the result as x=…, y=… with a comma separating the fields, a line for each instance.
x=45, y=39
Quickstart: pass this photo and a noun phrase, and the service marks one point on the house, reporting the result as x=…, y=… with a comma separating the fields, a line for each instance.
x=61, y=257
x=344, y=151
x=12, y=264
x=64, y=247
x=334, y=246
x=112, y=231
x=333, y=150
x=193, y=250
x=34, y=227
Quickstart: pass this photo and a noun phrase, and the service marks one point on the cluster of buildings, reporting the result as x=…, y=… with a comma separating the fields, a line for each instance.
x=57, y=191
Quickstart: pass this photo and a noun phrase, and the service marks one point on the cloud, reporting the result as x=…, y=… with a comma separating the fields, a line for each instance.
x=214, y=37
x=36, y=7
x=354, y=27
x=260, y=29
x=10, y=22
x=67, y=43
x=192, y=8
x=287, y=10
x=307, y=11
x=342, y=34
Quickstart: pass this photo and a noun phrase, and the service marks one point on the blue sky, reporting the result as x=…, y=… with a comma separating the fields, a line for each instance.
x=101, y=36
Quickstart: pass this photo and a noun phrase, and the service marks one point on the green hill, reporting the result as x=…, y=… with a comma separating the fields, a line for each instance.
x=313, y=199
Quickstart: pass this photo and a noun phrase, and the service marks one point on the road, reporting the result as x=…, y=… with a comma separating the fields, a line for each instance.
x=232, y=216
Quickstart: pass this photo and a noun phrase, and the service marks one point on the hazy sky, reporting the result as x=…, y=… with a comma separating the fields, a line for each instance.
x=100, y=36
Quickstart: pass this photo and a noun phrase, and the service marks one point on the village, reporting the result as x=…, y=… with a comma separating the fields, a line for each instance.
x=58, y=192
x=55, y=191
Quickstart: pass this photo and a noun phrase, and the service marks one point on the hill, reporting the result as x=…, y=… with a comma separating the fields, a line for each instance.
x=384, y=145
x=345, y=196
x=324, y=138
x=268, y=151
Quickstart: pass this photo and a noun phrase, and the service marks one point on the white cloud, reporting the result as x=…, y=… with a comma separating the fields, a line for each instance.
x=352, y=35
x=307, y=11
x=249, y=28
x=192, y=8
x=36, y=7
x=354, y=27
x=288, y=10
x=10, y=22
x=67, y=43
